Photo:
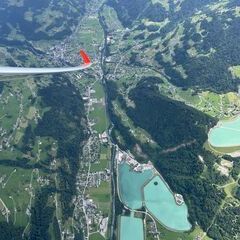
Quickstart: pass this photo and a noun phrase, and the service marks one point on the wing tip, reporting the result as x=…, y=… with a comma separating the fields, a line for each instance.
x=86, y=59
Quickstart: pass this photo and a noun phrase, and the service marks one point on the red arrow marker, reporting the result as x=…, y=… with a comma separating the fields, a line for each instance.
x=85, y=57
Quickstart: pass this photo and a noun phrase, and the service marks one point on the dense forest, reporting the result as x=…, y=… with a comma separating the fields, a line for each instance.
x=9, y=231
x=41, y=215
x=176, y=122
x=227, y=223
x=1, y=87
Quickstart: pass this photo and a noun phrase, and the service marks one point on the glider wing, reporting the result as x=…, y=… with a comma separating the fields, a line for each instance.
x=22, y=70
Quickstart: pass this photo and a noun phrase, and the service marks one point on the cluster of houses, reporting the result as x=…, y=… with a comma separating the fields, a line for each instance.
x=96, y=178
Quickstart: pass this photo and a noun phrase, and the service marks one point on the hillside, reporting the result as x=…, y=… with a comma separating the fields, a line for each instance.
x=41, y=20
x=194, y=42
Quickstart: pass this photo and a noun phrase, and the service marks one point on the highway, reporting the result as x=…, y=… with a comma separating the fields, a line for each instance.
x=25, y=71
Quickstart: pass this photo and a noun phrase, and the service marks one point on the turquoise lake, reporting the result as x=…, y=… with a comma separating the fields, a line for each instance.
x=225, y=134
x=131, y=228
x=130, y=185
x=160, y=202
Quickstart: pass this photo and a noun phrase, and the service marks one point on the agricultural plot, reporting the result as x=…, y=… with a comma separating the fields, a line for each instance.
x=97, y=109
x=103, y=160
x=17, y=191
x=101, y=197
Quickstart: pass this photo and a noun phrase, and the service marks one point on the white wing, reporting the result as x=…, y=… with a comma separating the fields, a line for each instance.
x=22, y=70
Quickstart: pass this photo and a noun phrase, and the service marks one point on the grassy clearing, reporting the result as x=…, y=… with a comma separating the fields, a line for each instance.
x=98, y=114
x=89, y=34
x=96, y=236
x=101, y=196
x=11, y=110
x=103, y=161
x=95, y=28
x=14, y=191
x=223, y=150
x=169, y=235
x=211, y=97
x=235, y=71
x=164, y=3
x=18, y=137
x=229, y=188
x=210, y=103
x=44, y=147
x=100, y=118
x=99, y=91
x=221, y=106
x=188, y=96
x=137, y=132
x=8, y=155
x=232, y=97
x=16, y=108
x=31, y=113
x=111, y=18
x=237, y=11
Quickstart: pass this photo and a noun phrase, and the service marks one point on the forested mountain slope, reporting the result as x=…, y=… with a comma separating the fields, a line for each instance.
x=38, y=20
x=194, y=42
